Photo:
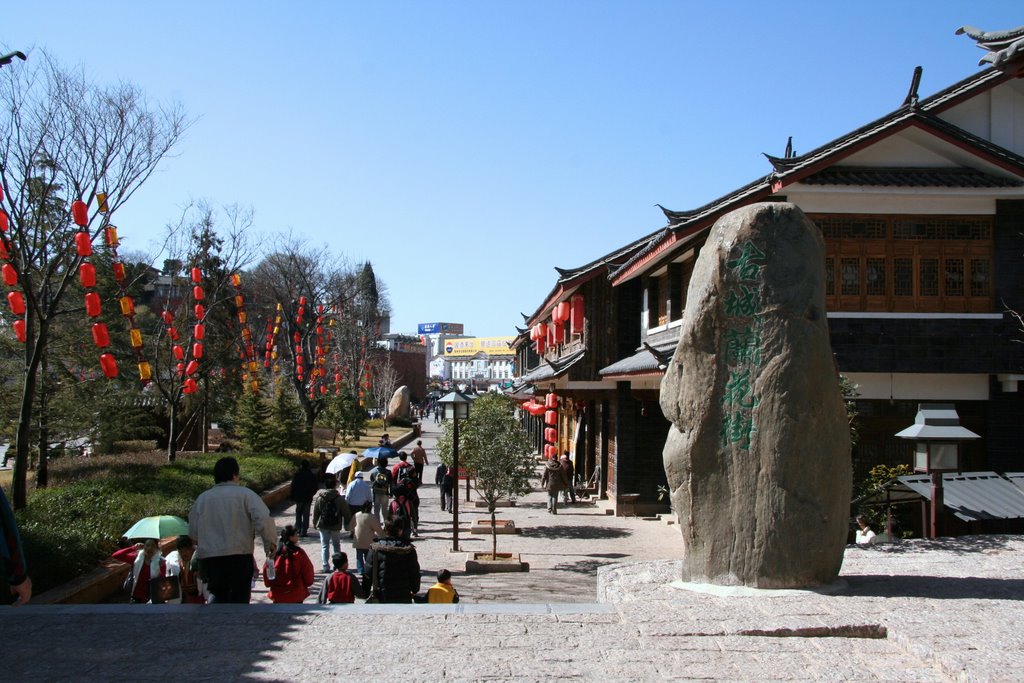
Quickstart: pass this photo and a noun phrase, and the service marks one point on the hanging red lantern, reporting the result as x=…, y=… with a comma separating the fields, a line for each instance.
x=179, y=353
x=10, y=275
x=560, y=313
x=540, y=345
x=167, y=317
x=197, y=275
x=192, y=367
x=87, y=274
x=551, y=418
x=296, y=338
x=197, y=350
x=83, y=244
x=92, y=304
x=16, y=300
x=5, y=223
x=302, y=301
x=109, y=365
x=576, y=314
x=558, y=333
x=19, y=330
x=100, y=336
x=189, y=386
x=80, y=212
x=241, y=317
x=119, y=274
x=199, y=331
x=197, y=293
x=542, y=330
x=172, y=332
x=550, y=434
x=200, y=311
x=4, y=254
x=181, y=369
x=551, y=401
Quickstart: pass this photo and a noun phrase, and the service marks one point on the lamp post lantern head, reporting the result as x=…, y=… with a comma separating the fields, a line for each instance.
x=456, y=405
x=937, y=435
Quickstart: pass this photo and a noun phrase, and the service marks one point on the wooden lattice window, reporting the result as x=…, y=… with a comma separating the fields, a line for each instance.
x=903, y=277
x=849, y=272
x=981, y=277
x=875, y=280
x=928, y=277
x=954, y=277
x=830, y=276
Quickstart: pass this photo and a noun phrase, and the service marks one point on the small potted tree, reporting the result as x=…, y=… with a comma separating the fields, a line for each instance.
x=498, y=451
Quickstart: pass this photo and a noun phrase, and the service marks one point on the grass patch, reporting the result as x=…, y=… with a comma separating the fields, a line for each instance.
x=71, y=526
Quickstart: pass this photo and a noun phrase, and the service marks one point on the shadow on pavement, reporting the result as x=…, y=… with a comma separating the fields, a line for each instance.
x=935, y=587
x=576, y=532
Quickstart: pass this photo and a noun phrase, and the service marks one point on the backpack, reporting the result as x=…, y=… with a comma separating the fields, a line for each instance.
x=399, y=509
x=329, y=513
x=381, y=482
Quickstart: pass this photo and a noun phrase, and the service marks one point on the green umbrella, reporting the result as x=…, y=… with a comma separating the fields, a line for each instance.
x=160, y=526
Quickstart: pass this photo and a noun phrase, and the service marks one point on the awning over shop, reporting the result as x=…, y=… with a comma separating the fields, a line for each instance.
x=971, y=496
x=648, y=360
x=548, y=370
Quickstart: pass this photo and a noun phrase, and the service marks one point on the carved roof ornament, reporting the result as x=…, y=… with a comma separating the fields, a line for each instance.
x=1003, y=47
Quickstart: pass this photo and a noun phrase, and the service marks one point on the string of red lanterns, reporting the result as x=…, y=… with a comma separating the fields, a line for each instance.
x=15, y=298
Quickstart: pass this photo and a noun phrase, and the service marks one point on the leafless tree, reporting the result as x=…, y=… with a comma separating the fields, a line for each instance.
x=385, y=381
x=64, y=137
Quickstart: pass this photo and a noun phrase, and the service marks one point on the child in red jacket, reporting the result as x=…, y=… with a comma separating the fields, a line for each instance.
x=338, y=587
x=293, y=572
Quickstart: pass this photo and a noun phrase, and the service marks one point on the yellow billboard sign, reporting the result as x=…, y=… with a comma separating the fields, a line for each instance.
x=492, y=346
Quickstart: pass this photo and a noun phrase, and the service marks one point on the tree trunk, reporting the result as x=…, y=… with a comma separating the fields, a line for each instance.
x=172, y=432
x=33, y=353
x=42, y=472
x=494, y=535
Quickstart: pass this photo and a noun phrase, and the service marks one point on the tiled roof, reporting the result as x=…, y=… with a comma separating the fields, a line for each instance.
x=552, y=369
x=643, y=361
x=908, y=177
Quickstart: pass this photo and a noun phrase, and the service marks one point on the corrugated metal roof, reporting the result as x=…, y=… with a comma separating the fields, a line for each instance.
x=974, y=496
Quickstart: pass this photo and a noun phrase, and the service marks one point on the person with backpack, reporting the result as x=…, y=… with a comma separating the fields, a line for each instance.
x=380, y=481
x=401, y=508
x=392, y=567
x=331, y=514
x=403, y=466
x=293, y=572
x=365, y=528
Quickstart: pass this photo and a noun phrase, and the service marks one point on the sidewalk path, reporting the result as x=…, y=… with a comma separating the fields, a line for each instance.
x=946, y=610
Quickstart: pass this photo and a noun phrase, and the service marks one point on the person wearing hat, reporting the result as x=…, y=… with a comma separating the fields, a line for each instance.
x=359, y=492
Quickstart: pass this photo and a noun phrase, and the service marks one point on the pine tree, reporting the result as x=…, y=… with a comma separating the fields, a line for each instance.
x=253, y=423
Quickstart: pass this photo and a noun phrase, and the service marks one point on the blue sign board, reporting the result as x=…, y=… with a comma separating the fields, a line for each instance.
x=438, y=328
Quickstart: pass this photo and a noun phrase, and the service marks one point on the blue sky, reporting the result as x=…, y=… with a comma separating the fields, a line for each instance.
x=467, y=148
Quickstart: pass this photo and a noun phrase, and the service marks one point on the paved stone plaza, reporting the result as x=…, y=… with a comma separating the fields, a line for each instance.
x=597, y=604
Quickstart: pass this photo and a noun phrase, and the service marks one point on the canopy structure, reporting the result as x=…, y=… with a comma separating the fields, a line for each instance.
x=971, y=496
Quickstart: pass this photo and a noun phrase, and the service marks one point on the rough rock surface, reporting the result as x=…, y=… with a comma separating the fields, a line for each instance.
x=399, y=405
x=758, y=455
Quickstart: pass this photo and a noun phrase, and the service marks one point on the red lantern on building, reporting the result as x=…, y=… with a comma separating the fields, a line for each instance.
x=576, y=309
x=109, y=365
x=80, y=213
x=16, y=300
x=100, y=336
x=551, y=418
x=550, y=434
x=558, y=333
x=560, y=313
x=551, y=401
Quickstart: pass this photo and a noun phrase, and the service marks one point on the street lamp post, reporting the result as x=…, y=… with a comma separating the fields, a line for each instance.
x=937, y=435
x=456, y=407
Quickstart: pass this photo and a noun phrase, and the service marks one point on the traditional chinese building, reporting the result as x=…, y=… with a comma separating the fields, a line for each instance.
x=922, y=212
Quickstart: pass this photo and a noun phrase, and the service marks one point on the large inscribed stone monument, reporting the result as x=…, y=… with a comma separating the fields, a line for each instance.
x=758, y=455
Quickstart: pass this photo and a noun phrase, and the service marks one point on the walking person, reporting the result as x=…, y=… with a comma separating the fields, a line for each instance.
x=447, y=488
x=570, y=476
x=419, y=460
x=380, y=482
x=223, y=523
x=331, y=515
x=392, y=567
x=553, y=480
x=12, y=557
x=358, y=493
x=293, y=572
x=304, y=486
x=340, y=586
x=365, y=528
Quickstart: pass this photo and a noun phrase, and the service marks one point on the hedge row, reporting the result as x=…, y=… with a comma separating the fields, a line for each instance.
x=68, y=530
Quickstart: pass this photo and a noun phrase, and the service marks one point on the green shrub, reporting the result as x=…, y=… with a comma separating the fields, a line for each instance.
x=68, y=530
x=132, y=446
